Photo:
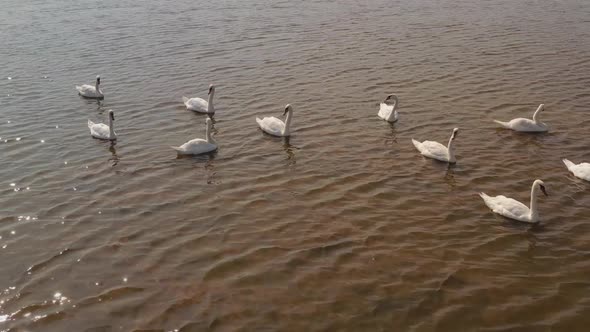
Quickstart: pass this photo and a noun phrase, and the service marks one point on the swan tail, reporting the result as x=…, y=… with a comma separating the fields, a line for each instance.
x=417, y=144
x=483, y=195
x=184, y=99
x=79, y=88
x=568, y=163
x=503, y=124
x=90, y=124
x=259, y=121
x=177, y=149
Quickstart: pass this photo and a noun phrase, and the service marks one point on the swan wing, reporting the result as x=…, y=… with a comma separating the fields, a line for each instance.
x=271, y=125
x=196, y=146
x=88, y=91
x=434, y=150
x=196, y=104
x=385, y=112
x=99, y=130
x=507, y=207
x=85, y=88
x=526, y=125
x=580, y=170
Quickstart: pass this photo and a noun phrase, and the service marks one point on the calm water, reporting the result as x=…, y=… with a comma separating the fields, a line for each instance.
x=343, y=227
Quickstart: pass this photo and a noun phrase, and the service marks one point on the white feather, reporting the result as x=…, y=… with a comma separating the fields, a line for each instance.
x=388, y=112
x=436, y=150
x=276, y=127
x=526, y=125
x=199, y=145
x=103, y=131
x=201, y=105
x=581, y=170
x=513, y=209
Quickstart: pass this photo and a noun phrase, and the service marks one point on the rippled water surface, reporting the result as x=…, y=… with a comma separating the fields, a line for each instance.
x=342, y=227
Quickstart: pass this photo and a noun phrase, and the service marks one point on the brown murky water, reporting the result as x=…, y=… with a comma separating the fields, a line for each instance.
x=343, y=227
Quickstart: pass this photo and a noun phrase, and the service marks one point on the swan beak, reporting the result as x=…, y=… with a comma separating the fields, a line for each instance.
x=543, y=190
x=113, y=116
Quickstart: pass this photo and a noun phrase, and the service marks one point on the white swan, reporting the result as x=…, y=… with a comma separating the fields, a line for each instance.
x=513, y=209
x=276, y=127
x=436, y=150
x=388, y=112
x=199, y=145
x=526, y=125
x=89, y=91
x=199, y=104
x=101, y=130
x=580, y=170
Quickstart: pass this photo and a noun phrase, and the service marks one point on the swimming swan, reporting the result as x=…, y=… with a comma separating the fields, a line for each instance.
x=526, y=125
x=101, y=130
x=580, y=170
x=513, y=209
x=199, y=104
x=436, y=150
x=89, y=91
x=388, y=112
x=276, y=127
x=199, y=145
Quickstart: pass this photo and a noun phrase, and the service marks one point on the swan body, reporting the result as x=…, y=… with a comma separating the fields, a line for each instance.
x=89, y=91
x=276, y=127
x=201, y=105
x=526, y=125
x=513, y=209
x=388, y=112
x=436, y=150
x=199, y=145
x=580, y=170
x=101, y=130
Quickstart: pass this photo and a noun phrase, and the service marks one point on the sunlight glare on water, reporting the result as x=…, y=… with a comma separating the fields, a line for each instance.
x=341, y=227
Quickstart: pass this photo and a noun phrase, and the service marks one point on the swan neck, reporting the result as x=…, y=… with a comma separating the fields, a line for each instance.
x=536, y=114
x=287, y=123
x=111, y=128
x=533, y=208
x=395, y=102
x=210, y=108
x=395, y=105
x=451, y=150
x=208, y=136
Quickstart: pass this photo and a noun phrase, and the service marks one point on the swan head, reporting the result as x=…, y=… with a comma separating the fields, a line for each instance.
x=288, y=108
x=211, y=89
x=455, y=133
x=97, y=79
x=541, y=107
x=391, y=97
x=541, y=186
x=112, y=115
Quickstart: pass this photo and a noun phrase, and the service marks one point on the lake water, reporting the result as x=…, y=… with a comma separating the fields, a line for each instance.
x=342, y=227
